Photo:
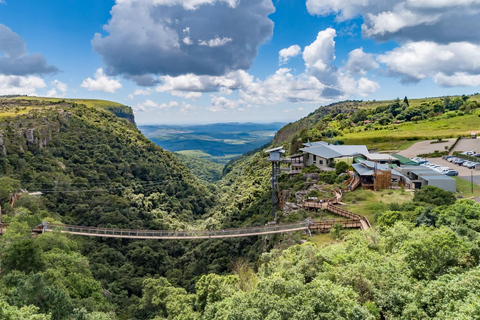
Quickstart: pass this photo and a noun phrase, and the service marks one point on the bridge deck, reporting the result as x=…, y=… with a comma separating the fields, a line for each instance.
x=171, y=234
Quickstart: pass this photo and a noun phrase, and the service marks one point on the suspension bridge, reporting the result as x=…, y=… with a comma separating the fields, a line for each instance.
x=352, y=220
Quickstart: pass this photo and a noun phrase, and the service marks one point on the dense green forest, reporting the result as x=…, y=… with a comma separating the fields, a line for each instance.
x=95, y=168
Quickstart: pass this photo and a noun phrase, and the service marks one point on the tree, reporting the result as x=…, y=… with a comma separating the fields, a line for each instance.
x=434, y=195
x=336, y=231
x=434, y=252
x=341, y=167
x=405, y=100
x=389, y=218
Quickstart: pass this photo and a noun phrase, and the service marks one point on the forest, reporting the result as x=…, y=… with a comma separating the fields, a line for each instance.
x=94, y=168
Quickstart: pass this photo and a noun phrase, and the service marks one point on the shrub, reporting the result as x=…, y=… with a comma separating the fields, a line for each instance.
x=435, y=195
x=341, y=167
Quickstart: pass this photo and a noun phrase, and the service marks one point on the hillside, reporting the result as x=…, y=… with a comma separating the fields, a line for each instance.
x=96, y=169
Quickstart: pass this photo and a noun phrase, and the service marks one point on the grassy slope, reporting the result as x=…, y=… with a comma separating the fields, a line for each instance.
x=401, y=136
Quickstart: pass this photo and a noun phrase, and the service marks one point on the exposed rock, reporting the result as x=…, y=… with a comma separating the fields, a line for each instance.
x=313, y=176
x=288, y=207
x=299, y=195
x=30, y=137
x=2, y=145
x=284, y=196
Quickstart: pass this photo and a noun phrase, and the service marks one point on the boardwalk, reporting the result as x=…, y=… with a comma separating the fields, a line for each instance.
x=331, y=205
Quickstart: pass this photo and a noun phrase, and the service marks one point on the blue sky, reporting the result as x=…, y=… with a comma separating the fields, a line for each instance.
x=205, y=61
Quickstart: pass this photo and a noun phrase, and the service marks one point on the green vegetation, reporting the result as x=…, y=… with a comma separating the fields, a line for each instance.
x=387, y=125
x=205, y=170
x=420, y=261
x=464, y=188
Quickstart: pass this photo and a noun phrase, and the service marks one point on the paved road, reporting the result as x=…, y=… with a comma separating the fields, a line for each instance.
x=468, y=145
x=426, y=147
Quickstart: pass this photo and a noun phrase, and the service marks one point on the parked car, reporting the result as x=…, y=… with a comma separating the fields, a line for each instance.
x=471, y=165
x=451, y=173
x=476, y=155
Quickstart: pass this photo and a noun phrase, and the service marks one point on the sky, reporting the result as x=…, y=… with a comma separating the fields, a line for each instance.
x=209, y=61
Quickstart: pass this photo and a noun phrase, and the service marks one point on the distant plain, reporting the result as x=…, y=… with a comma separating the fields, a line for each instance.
x=218, y=142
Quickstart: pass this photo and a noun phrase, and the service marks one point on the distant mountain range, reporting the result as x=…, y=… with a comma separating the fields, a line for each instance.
x=218, y=142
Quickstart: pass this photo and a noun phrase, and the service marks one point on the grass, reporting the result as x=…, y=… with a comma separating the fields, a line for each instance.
x=194, y=153
x=402, y=136
x=326, y=239
x=464, y=188
x=367, y=202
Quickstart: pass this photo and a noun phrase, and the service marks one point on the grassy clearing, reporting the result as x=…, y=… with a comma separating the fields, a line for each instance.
x=326, y=239
x=464, y=188
x=194, y=153
x=401, y=136
x=367, y=202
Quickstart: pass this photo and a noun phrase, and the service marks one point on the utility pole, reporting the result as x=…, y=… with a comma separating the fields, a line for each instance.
x=471, y=175
x=275, y=159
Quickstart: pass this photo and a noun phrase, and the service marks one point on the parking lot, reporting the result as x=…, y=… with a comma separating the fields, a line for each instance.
x=462, y=145
x=425, y=147
x=463, y=172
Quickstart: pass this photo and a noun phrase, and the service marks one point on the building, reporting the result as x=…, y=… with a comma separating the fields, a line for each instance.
x=419, y=176
x=324, y=155
x=377, y=175
x=376, y=170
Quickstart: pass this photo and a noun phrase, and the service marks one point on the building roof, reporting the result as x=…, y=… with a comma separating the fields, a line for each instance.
x=437, y=177
x=404, y=160
x=380, y=157
x=328, y=151
x=278, y=149
x=362, y=170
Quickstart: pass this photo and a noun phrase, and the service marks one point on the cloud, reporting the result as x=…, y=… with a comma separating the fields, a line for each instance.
x=101, y=83
x=440, y=21
x=367, y=87
x=359, y=62
x=222, y=104
x=457, y=79
x=146, y=80
x=150, y=105
x=321, y=82
x=418, y=60
x=191, y=4
x=186, y=108
x=21, y=85
x=285, y=54
x=60, y=86
x=130, y=97
x=144, y=92
x=173, y=37
x=190, y=83
x=215, y=42
x=321, y=52
x=14, y=58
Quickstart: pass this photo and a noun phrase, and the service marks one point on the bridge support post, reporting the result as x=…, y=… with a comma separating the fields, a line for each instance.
x=307, y=224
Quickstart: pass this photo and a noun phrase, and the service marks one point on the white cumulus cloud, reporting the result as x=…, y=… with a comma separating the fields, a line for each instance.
x=418, y=60
x=101, y=83
x=286, y=54
x=20, y=85
x=359, y=62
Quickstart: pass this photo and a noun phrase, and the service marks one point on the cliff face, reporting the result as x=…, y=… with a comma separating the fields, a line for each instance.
x=123, y=112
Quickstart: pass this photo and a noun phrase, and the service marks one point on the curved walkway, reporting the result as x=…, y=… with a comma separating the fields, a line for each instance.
x=331, y=203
